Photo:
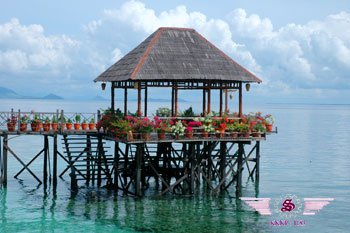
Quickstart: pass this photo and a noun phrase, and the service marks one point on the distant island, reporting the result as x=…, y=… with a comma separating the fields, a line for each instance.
x=7, y=93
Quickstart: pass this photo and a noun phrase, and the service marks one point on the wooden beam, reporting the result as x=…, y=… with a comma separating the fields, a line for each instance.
x=112, y=96
x=240, y=103
x=226, y=101
x=145, y=105
x=125, y=101
x=139, y=99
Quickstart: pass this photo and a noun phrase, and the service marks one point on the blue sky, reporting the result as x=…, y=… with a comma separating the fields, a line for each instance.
x=301, y=49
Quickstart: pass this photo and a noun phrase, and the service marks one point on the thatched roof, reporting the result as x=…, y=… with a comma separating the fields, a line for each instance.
x=176, y=54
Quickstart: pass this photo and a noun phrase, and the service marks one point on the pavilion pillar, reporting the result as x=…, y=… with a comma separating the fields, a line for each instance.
x=240, y=103
x=112, y=97
x=209, y=100
x=226, y=101
x=139, y=99
x=204, y=102
x=145, y=105
x=125, y=101
x=176, y=100
x=220, y=108
x=172, y=100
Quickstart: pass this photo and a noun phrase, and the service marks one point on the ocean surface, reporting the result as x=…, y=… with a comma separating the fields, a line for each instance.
x=309, y=157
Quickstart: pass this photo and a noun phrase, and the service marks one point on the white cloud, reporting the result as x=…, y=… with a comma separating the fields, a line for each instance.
x=27, y=48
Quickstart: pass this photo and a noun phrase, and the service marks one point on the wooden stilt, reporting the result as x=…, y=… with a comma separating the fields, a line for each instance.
x=4, y=161
x=46, y=150
x=88, y=159
x=257, y=162
x=192, y=165
x=54, y=161
x=138, y=184
x=239, y=169
x=222, y=164
x=116, y=166
x=99, y=161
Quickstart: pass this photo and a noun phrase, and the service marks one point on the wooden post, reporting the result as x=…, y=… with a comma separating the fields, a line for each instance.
x=239, y=169
x=138, y=170
x=99, y=161
x=4, y=161
x=55, y=161
x=112, y=97
x=139, y=99
x=46, y=154
x=172, y=100
x=204, y=102
x=222, y=164
x=192, y=164
x=88, y=159
x=176, y=100
x=220, y=108
x=209, y=100
x=240, y=107
x=125, y=101
x=145, y=104
x=116, y=166
x=257, y=162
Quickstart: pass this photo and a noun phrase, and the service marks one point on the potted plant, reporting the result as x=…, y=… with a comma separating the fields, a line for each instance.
x=54, y=123
x=47, y=124
x=84, y=124
x=163, y=112
x=189, y=132
x=120, y=129
x=269, y=121
x=244, y=130
x=178, y=130
x=23, y=121
x=145, y=127
x=207, y=129
x=162, y=127
x=233, y=129
x=77, y=122
x=92, y=124
x=69, y=124
x=35, y=123
x=11, y=123
x=258, y=129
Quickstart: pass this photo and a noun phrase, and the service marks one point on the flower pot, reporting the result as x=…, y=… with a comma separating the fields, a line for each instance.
x=268, y=127
x=189, y=135
x=54, y=126
x=245, y=134
x=205, y=134
x=234, y=134
x=46, y=127
x=69, y=126
x=161, y=136
x=11, y=126
x=35, y=127
x=23, y=127
x=146, y=136
x=76, y=126
x=256, y=134
x=91, y=126
x=84, y=126
x=62, y=126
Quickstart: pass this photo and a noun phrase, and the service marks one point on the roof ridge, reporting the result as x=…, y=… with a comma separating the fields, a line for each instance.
x=227, y=57
x=146, y=53
x=177, y=28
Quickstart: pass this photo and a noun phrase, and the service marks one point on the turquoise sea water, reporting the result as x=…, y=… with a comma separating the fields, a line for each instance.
x=309, y=157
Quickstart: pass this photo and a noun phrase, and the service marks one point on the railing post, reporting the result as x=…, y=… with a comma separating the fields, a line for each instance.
x=19, y=122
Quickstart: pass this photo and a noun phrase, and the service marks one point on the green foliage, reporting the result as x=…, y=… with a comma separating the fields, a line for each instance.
x=233, y=127
x=163, y=112
x=259, y=128
x=54, y=119
x=77, y=118
x=188, y=112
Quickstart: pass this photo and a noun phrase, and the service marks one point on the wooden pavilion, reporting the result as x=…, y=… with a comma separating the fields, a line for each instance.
x=179, y=58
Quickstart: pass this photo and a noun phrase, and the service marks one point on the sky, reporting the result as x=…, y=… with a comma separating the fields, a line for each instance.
x=300, y=49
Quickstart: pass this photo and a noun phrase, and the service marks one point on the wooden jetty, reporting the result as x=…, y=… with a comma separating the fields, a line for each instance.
x=176, y=58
